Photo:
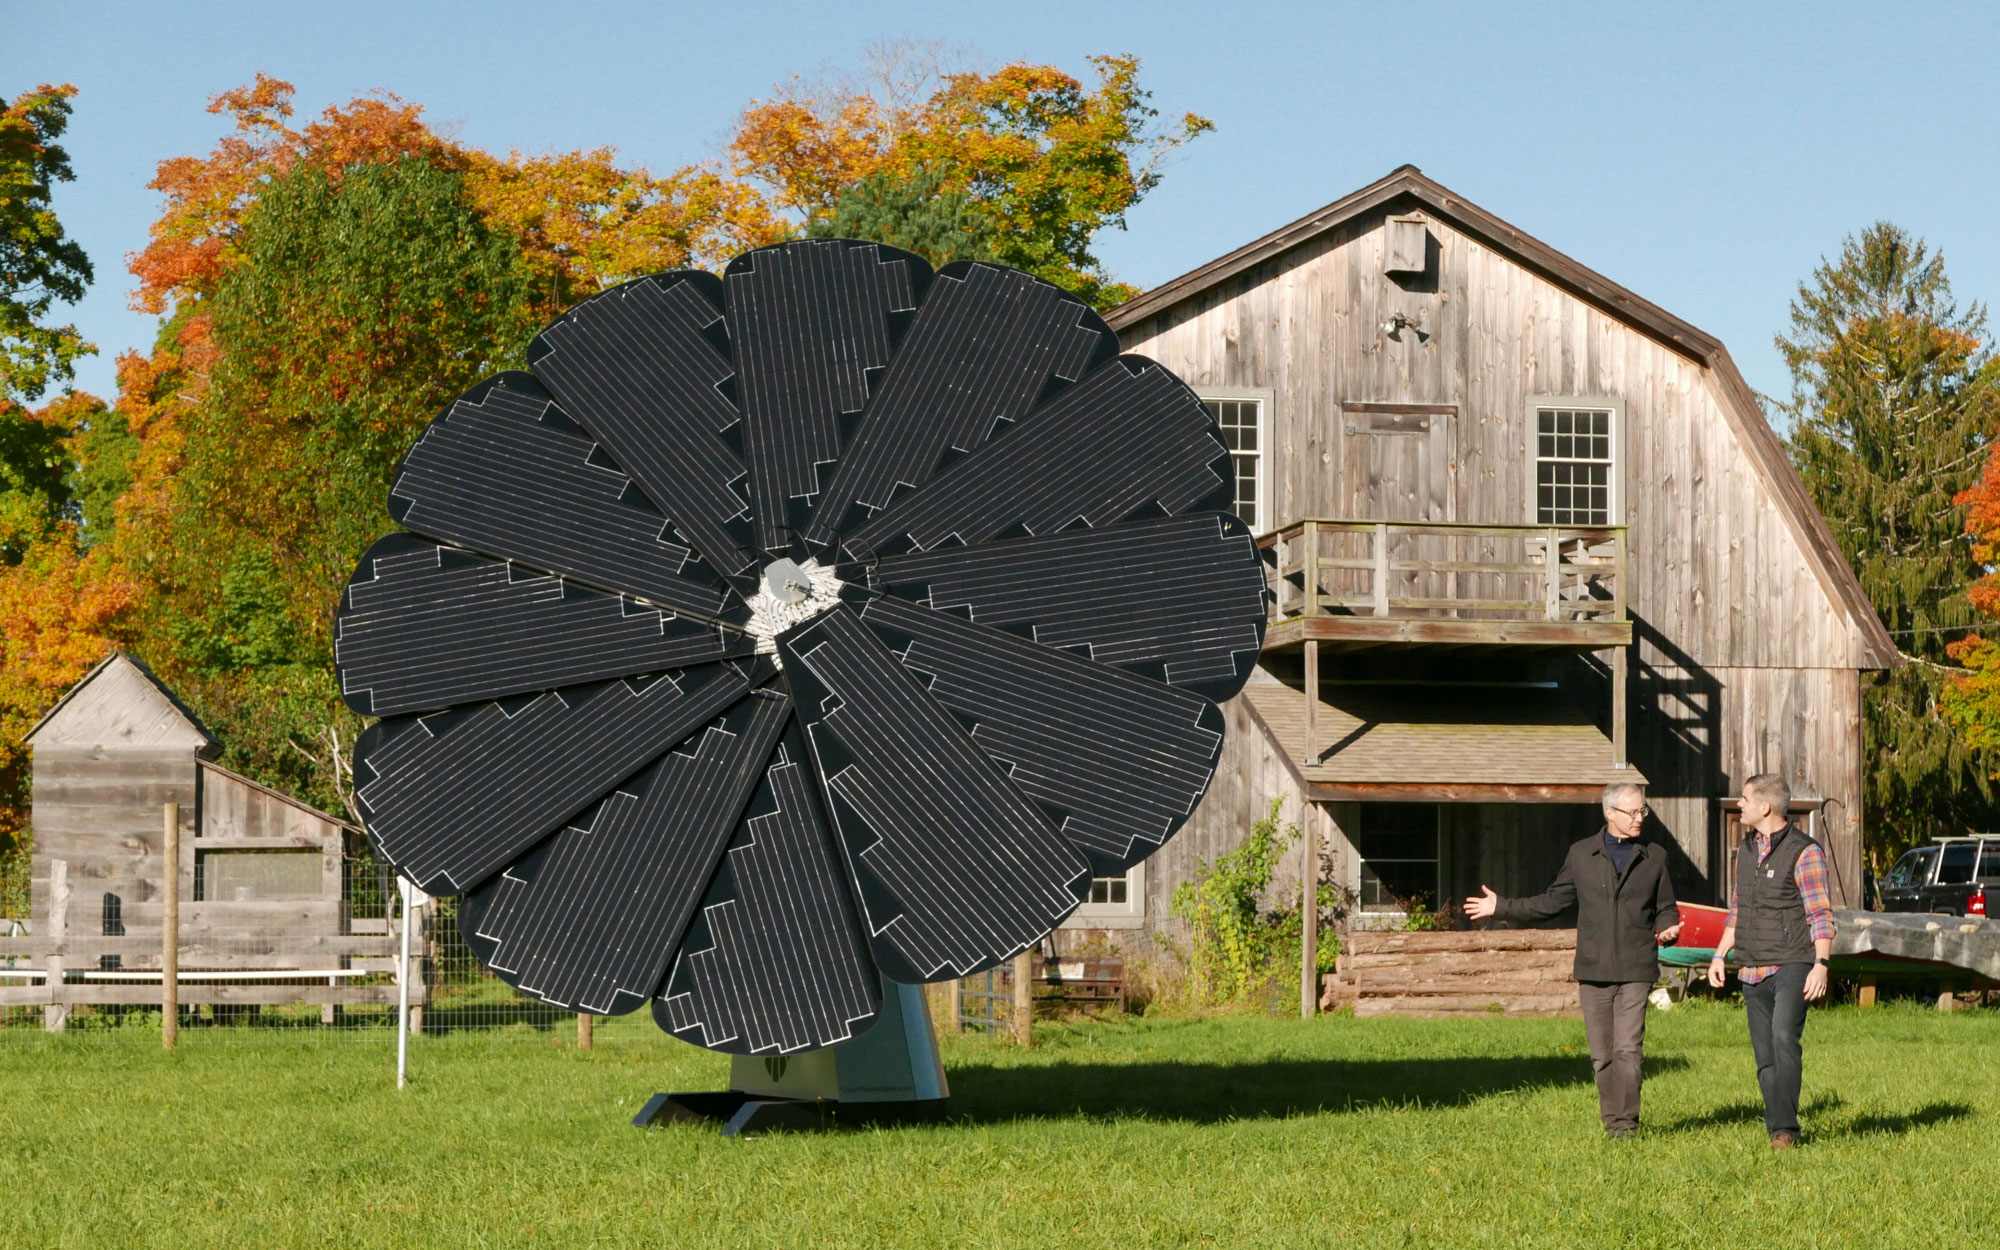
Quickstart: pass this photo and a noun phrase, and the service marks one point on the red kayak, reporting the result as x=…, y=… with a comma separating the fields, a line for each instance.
x=1701, y=926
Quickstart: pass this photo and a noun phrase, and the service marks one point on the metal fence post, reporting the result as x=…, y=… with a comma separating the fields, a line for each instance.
x=403, y=989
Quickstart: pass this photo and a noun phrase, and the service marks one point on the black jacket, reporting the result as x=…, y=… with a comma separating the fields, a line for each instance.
x=1616, y=916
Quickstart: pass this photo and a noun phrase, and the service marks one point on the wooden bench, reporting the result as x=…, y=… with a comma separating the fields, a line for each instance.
x=1084, y=983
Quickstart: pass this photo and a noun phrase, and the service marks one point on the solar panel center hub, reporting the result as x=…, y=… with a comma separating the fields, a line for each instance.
x=789, y=593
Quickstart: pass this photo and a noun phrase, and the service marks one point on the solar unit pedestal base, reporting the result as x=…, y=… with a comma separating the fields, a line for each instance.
x=889, y=1074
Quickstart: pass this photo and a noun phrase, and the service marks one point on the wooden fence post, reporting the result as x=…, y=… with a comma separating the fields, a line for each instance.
x=954, y=1004
x=583, y=1029
x=55, y=1009
x=170, y=929
x=1024, y=998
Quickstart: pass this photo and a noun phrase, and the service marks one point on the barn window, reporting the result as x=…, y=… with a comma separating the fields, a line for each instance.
x=1576, y=475
x=110, y=963
x=1113, y=903
x=1398, y=845
x=114, y=916
x=1244, y=419
x=245, y=876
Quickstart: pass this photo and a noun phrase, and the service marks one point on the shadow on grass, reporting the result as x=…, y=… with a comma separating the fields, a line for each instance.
x=1822, y=1108
x=1922, y=1117
x=1208, y=1093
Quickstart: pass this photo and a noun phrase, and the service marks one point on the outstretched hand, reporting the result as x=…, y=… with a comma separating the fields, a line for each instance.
x=1482, y=905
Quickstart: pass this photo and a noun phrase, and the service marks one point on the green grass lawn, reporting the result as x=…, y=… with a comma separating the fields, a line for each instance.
x=1144, y=1132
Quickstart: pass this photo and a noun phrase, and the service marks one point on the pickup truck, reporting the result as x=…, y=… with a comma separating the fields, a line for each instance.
x=1955, y=876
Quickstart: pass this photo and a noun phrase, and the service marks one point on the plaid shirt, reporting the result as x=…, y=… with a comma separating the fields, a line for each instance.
x=1810, y=873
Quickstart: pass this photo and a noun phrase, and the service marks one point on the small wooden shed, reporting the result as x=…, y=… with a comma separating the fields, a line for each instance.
x=265, y=881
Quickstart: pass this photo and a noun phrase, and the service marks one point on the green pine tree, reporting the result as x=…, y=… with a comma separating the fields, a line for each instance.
x=918, y=214
x=1893, y=406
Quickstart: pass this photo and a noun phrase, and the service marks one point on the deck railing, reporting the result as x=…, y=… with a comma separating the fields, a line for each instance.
x=1445, y=570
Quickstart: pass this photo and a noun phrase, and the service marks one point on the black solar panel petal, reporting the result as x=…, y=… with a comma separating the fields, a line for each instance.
x=640, y=366
x=1119, y=761
x=811, y=323
x=589, y=918
x=1181, y=599
x=775, y=962
x=423, y=627
x=452, y=799
x=504, y=472
x=1128, y=439
x=987, y=345
x=955, y=867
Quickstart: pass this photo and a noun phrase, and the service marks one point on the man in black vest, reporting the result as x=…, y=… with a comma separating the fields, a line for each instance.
x=1625, y=908
x=1781, y=928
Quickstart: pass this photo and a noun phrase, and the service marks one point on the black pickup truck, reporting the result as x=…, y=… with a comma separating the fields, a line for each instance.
x=1952, y=875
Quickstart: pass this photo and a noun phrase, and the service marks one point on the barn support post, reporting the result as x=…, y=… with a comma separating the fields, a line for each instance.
x=1309, y=922
x=170, y=927
x=1619, y=680
x=1024, y=998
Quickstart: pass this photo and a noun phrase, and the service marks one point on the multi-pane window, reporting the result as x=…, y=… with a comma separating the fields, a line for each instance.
x=1573, y=466
x=114, y=916
x=1112, y=890
x=1241, y=421
x=1398, y=844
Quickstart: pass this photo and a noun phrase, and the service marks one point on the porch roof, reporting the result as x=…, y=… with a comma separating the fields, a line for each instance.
x=1440, y=743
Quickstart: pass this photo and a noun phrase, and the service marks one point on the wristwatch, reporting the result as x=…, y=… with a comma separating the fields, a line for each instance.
x=1824, y=963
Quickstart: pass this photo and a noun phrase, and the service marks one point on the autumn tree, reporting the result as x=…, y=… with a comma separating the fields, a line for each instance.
x=1893, y=406
x=353, y=309
x=1047, y=162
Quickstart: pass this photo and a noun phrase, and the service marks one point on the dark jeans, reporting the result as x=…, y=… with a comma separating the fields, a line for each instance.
x=1777, y=1010
x=1614, y=1022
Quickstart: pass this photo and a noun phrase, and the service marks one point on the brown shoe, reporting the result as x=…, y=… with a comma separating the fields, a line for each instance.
x=1784, y=1141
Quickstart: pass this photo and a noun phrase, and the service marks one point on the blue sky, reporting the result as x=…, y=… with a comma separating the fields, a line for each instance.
x=1706, y=156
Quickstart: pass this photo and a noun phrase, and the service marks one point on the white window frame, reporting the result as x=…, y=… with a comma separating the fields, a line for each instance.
x=1130, y=914
x=1265, y=398
x=1597, y=403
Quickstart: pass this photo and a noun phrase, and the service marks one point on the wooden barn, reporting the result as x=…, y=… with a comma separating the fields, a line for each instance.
x=1529, y=534
x=265, y=881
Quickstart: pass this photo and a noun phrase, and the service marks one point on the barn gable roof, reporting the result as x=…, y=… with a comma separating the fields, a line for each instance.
x=1408, y=188
x=121, y=703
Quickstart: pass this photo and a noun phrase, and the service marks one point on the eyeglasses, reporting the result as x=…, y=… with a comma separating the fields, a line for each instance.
x=1636, y=813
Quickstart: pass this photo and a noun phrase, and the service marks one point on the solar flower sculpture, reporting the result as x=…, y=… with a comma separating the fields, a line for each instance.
x=781, y=635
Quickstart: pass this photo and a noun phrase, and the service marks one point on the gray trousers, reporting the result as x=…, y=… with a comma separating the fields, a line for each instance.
x=1614, y=1022
x=1776, y=1007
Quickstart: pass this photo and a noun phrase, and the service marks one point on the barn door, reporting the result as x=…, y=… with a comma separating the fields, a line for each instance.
x=1398, y=462
x=1399, y=466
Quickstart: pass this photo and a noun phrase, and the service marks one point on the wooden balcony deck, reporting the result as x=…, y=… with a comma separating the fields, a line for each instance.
x=1351, y=585
x=1344, y=585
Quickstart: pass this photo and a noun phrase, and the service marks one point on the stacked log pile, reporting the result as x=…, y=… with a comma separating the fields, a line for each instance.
x=1509, y=972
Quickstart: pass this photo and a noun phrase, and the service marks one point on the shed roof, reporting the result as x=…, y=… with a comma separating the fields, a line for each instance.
x=1407, y=188
x=1464, y=742
x=120, y=703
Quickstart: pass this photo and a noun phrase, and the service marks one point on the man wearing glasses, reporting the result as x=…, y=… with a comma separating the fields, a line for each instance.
x=1625, y=909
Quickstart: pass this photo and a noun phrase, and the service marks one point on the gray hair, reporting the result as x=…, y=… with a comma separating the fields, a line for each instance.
x=1618, y=789
x=1772, y=788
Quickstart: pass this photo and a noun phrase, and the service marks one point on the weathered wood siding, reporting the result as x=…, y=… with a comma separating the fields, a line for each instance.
x=1744, y=660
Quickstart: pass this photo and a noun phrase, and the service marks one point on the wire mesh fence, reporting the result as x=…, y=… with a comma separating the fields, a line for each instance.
x=253, y=965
